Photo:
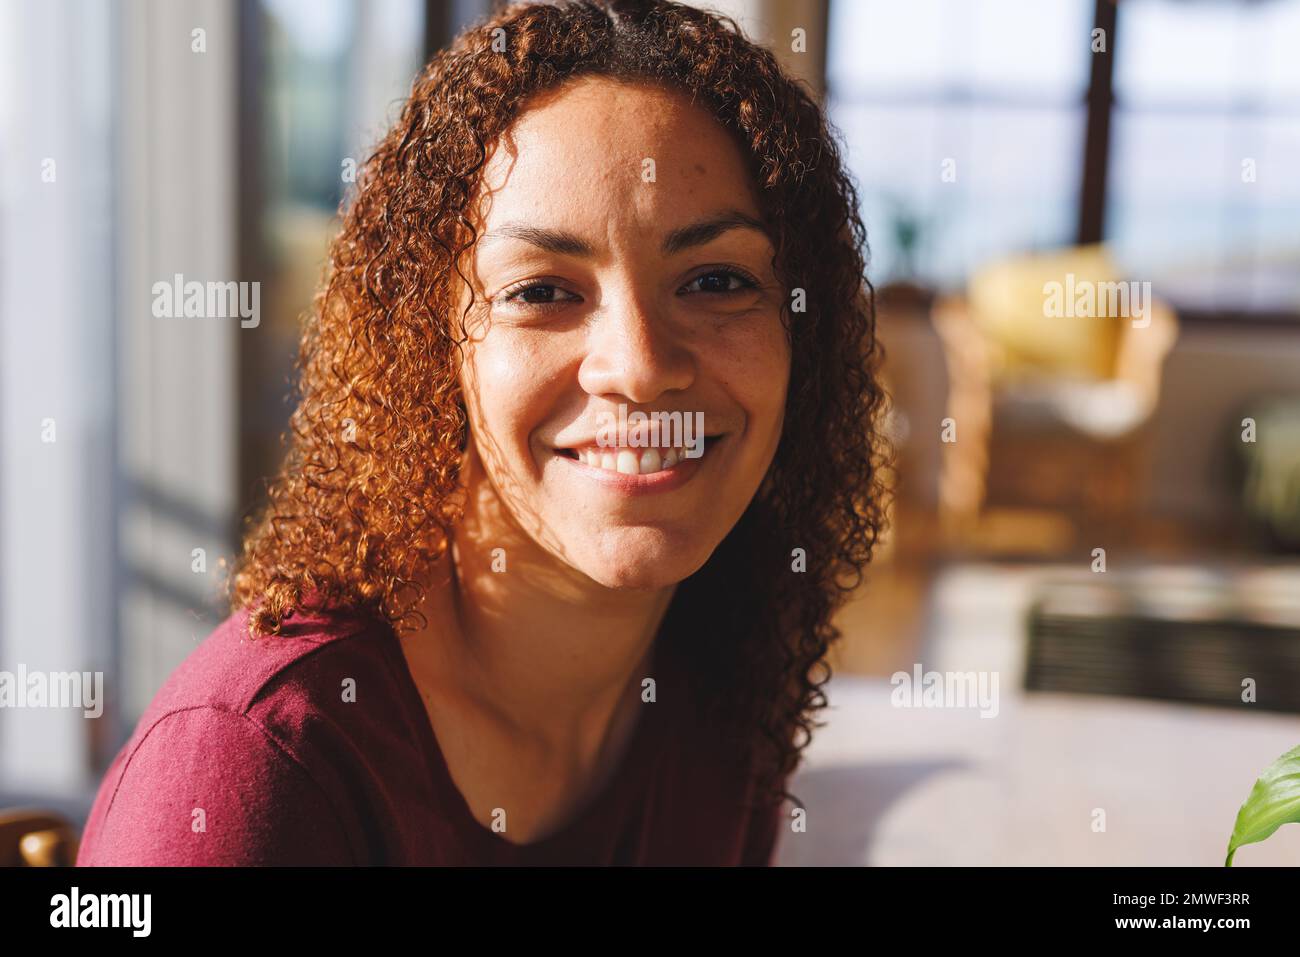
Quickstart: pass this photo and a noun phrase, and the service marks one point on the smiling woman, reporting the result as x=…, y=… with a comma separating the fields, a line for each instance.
x=489, y=629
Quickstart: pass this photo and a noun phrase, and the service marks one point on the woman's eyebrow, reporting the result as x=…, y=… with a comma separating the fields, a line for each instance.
x=566, y=243
x=551, y=240
x=705, y=230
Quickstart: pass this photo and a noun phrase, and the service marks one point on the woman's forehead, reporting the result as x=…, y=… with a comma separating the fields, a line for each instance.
x=597, y=145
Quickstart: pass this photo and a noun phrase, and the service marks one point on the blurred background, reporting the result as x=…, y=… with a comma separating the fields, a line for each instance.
x=1101, y=512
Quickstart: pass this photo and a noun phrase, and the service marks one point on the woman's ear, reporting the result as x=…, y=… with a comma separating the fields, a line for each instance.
x=469, y=460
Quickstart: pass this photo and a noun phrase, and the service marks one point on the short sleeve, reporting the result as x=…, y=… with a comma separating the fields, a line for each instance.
x=208, y=787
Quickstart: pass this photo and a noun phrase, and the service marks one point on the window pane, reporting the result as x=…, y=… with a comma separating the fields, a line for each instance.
x=1202, y=196
x=1207, y=54
x=1013, y=48
x=963, y=125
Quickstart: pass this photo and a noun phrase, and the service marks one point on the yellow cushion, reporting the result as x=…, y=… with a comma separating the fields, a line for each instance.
x=1049, y=315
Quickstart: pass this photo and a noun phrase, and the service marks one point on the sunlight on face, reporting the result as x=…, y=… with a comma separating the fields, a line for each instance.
x=621, y=269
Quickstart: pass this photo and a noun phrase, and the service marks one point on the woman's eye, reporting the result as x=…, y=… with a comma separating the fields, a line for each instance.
x=538, y=294
x=720, y=281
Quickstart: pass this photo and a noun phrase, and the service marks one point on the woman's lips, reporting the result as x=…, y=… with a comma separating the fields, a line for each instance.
x=636, y=469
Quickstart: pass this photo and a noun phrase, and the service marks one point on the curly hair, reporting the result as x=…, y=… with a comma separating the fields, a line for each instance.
x=366, y=499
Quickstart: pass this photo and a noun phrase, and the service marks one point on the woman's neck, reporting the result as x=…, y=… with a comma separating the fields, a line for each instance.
x=536, y=643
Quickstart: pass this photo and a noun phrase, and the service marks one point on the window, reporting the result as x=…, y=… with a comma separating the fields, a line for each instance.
x=1203, y=196
x=964, y=127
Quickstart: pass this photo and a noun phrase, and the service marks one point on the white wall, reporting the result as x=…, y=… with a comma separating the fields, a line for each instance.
x=177, y=425
x=102, y=522
x=56, y=313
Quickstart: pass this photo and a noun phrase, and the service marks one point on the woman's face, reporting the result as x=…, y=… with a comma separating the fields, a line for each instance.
x=620, y=270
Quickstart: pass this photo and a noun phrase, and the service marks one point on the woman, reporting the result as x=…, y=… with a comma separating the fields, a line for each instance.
x=583, y=463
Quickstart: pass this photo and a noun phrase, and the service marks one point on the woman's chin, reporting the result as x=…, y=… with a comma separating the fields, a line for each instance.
x=643, y=569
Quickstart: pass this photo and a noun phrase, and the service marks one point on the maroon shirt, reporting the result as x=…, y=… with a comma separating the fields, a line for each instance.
x=249, y=755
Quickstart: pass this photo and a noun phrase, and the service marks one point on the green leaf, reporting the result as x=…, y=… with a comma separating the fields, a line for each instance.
x=1273, y=801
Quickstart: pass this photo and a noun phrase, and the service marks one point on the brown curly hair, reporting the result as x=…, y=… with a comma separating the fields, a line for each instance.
x=366, y=500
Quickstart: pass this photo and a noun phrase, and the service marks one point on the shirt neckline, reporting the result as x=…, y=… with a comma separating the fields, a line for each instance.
x=589, y=827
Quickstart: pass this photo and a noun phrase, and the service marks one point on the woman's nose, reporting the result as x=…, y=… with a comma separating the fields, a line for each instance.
x=631, y=353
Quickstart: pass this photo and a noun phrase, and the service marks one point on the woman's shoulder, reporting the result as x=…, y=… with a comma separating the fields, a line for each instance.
x=234, y=670
x=239, y=757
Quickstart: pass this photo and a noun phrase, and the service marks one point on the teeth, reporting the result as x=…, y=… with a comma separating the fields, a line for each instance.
x=629, y=461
